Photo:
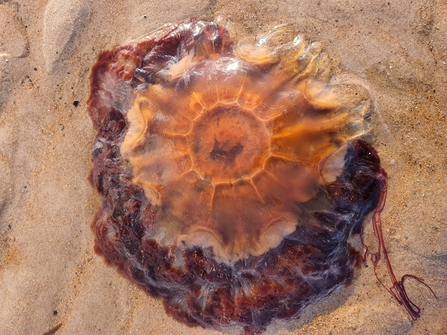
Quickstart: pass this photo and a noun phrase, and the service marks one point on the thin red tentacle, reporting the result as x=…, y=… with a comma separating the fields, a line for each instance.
x=397, y=289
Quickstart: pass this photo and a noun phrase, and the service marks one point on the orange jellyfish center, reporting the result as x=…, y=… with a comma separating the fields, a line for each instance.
x=228, y=158
x=227, y=143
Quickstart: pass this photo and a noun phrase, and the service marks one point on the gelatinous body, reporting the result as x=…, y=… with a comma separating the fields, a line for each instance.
x=232, y=175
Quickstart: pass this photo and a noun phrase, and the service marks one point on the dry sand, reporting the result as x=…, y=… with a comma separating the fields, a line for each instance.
x=51, y=281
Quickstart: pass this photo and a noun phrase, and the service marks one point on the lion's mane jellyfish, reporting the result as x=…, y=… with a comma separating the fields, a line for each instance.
x=232, y=175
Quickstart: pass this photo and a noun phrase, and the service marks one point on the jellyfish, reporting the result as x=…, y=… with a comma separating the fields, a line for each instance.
x=233, y=174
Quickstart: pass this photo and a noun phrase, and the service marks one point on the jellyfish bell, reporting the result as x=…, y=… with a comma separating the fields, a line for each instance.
x=215, y=145
x=232, y=174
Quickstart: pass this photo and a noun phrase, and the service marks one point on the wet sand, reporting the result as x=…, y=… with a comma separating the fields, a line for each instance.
x=51, y=281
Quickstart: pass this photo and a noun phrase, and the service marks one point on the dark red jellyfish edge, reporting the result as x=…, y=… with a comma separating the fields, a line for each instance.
x=308, y=264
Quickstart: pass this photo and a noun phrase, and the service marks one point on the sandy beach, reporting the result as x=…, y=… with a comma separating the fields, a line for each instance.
x=51, y=280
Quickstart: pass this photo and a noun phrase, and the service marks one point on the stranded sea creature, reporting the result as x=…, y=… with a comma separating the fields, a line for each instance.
x=232, y=175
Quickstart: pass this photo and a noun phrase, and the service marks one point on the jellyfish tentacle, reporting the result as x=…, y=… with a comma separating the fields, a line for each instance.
x=397, y=290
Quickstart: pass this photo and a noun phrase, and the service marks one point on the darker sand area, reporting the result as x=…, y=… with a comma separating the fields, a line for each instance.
x=52, y=282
